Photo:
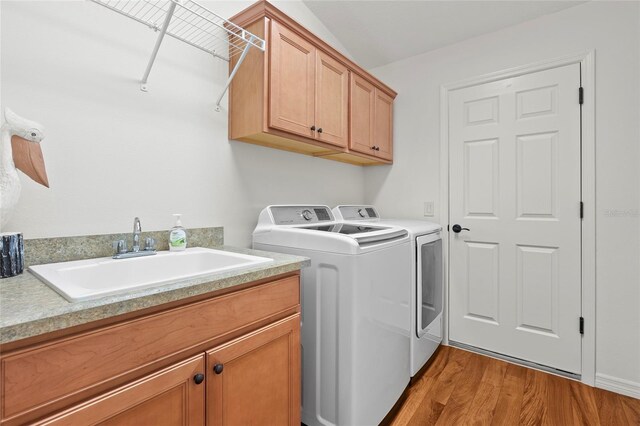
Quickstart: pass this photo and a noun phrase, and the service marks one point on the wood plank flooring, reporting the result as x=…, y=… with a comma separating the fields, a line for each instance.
x=463, y=388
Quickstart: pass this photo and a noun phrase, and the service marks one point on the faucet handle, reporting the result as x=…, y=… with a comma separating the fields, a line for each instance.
x=120, y=246
x=149, y=244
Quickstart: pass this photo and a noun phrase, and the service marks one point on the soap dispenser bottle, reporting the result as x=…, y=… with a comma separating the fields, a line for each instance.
x=177, y=235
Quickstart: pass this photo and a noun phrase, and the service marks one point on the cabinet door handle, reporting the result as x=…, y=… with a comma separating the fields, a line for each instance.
x=218, y=368
x=198, y=378
x=313, y=128
x=320, y=130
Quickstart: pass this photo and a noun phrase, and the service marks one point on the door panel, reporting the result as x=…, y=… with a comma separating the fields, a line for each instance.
x=483, y=260
x=481, y=174
x=537, y=180
x=515, y=183
x=537, y=280
x=332, y=100
x=291, y=82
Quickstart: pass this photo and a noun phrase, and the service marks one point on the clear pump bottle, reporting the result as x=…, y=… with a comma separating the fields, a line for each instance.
x=177, y=235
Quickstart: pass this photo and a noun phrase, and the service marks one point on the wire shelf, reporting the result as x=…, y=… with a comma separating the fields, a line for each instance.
x=191, y=23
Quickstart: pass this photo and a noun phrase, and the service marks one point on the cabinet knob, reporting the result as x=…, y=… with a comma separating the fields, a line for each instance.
x=218, y=368
x=377, y=148
x=198, y=378
x=313, y=128
x=320, y=130
x=373, y=148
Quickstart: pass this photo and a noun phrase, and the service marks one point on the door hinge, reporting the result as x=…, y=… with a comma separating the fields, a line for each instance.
x=580, y=95
x=581, y=325
x=581, y=210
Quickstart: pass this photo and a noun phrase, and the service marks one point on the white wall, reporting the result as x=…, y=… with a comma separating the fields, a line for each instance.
x=113, y=152
x=613, y=30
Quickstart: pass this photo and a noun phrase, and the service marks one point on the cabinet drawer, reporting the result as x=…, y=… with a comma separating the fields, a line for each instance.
x=64, y=371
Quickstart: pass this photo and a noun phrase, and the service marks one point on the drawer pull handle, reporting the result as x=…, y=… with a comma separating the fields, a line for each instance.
x=198, y=378
x=218, y=368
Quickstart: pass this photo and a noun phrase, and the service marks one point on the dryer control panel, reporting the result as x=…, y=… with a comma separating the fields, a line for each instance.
x=298, y=215
x=358, y=212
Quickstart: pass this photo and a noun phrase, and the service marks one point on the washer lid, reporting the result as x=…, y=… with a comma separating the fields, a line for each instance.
x=363, y=234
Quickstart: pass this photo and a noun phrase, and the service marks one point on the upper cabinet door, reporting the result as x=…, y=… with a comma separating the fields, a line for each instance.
x=332, y=100
x=292, y=82
x=383, y=121
x=361, y=112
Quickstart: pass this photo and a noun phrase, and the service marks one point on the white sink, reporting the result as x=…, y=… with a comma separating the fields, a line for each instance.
x=93, y=278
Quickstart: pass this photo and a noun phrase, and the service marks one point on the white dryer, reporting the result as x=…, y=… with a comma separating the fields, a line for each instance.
x=355, y=305
x=426, y=283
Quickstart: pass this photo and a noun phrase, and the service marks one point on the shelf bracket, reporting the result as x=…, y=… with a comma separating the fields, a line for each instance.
x=163, y=31
x=235, y=69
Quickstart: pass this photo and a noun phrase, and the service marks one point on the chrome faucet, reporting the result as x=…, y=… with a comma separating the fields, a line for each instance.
x=137, y=229
x=120, y=246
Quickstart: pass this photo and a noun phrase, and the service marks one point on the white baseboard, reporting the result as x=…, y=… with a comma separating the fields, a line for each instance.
x=617, y=385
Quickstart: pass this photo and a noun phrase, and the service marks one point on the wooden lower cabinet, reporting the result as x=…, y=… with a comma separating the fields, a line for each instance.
x=256, y=379
x=158, y=368
x=252, y=380
x=172, y=396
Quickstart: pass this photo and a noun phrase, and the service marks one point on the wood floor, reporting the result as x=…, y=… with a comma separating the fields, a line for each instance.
x=460, y=388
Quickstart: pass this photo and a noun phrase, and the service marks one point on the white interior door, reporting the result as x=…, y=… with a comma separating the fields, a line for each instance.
x=515, y=275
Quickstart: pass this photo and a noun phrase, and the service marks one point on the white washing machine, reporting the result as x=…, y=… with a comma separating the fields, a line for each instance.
x=427, y=281
x=355, y=336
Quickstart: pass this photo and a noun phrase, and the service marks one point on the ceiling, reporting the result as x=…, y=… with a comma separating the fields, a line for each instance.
x=379, y=32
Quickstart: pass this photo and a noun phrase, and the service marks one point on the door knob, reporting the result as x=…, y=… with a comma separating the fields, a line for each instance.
x=218, y=368
x=457, y=228
x=198, y=378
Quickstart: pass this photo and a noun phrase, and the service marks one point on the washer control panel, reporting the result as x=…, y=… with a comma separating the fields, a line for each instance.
x=358, y=212
x=297, y=215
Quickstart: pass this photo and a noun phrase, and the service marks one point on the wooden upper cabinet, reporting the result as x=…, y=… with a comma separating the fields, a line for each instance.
x=371, y=113
x=362, y=115
x=292, y=82
x=173, y=396
x=297, y=95
x=255, y=379
x=309, y=89
x=332, y=100
x=383, y=125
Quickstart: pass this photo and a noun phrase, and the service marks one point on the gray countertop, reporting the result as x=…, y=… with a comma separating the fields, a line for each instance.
x=28, y=307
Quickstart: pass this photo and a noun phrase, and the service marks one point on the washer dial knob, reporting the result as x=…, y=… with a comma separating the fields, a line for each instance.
x=307, y=215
